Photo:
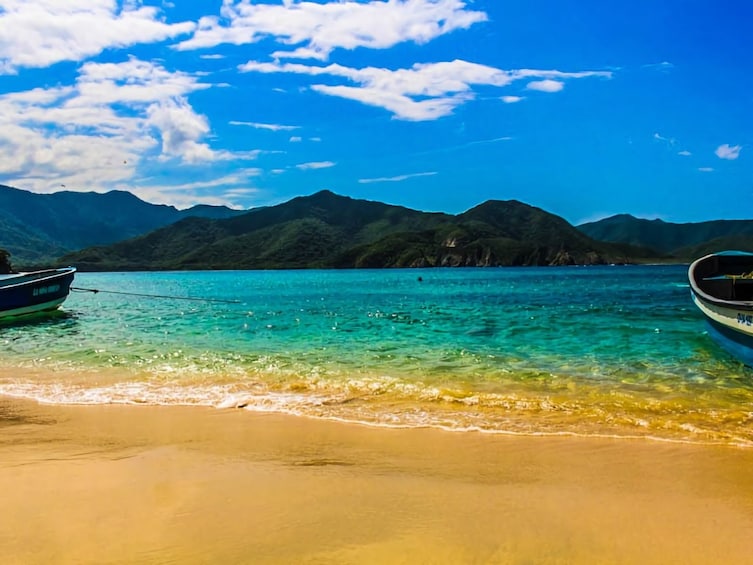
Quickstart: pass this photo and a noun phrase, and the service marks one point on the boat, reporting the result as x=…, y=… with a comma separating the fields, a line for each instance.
x=721, y=285
x=27, y=293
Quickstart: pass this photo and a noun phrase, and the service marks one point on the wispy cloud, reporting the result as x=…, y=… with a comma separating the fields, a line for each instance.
x=684, y=153
x=315, y=165
x=669, y=141
x=462, y=146
x=398, y=178
x=663, y=66
x=729, y=152
x=706, y=169
x=511, y=99
x=270, y=127
x=316, y=29
x=223, y=190
x=422, y=92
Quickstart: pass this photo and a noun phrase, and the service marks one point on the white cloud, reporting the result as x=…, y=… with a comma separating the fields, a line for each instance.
x=180, y=128
x=706, y=169
x=730, y=152
x=493, y=140
x=271, y=127
x=400, y=105
x=295, y=139
x=80, y=162
x=133, y=82
x=462, y=146
x=511, y=99
x=684, y=153
x=670, y=141
x=314, y=29
x=40, y=33
x=663, y=66
x=398, y=178
x=244, y=192
x=225, y=190
x=315, y=165
x=422, y=92
x=546, y=85
x=95, y=133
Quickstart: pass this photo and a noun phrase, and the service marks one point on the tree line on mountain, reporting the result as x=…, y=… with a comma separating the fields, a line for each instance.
x=117, y=231
x=684, y=241
x=325, y=230
x=39, y=228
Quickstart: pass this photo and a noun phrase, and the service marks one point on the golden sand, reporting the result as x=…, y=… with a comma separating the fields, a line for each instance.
x=139, y=484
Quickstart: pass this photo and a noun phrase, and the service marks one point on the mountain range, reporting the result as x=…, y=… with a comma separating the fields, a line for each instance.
x=39, y=228
x=117, y=231
x=684, y=241
x=325, y=230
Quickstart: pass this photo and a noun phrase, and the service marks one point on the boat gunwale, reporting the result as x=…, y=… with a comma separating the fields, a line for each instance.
x=20, y=279
x=746, y=305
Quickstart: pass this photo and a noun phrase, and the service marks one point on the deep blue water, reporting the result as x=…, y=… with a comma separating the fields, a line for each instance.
x=616, y=351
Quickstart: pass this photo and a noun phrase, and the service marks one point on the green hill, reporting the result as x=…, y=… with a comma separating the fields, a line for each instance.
x=36, y=228
x=665, y=237
x=325, y=230
x=725, y=243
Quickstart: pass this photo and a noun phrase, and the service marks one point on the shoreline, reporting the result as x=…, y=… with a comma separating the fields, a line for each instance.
x=113, y=483
x=500, y=417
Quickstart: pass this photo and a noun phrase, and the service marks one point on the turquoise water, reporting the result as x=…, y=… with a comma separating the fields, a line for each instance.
x=606, y=351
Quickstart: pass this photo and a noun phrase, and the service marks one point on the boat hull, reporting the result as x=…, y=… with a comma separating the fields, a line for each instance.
x=722, y=288
x=31, y=293
x=730, y=328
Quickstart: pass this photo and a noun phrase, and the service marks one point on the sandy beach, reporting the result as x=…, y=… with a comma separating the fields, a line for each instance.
x=145, y=484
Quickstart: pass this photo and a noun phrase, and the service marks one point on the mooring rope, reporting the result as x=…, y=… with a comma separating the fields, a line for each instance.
x=172, y=297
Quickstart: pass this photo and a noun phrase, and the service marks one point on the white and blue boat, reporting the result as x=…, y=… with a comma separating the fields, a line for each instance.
x=722, y=288
x=22, y=294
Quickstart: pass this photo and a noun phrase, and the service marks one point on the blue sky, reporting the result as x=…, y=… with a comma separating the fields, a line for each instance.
x=585, y=109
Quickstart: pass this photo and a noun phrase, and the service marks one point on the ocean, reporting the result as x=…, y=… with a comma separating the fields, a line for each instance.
x=612, y=351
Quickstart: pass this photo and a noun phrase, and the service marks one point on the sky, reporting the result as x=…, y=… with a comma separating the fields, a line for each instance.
x=584, y=108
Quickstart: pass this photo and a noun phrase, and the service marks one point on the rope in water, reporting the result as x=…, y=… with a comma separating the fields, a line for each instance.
x=96, y=290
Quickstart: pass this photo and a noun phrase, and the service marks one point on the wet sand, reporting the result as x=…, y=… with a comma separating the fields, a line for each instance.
x=140, y=484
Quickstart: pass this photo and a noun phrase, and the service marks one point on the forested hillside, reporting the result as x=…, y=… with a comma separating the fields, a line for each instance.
x=37, y=228
x=325, y=230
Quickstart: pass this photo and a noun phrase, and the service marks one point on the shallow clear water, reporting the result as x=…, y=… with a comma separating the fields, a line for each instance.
x=616, y=351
